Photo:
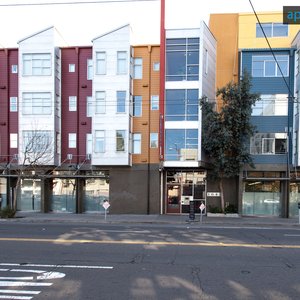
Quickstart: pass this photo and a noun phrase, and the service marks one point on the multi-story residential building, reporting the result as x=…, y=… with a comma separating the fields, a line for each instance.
x=189, y=74
x=80, y=125
x=264, y=50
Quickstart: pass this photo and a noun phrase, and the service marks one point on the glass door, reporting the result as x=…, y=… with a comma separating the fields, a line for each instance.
x=173, y=198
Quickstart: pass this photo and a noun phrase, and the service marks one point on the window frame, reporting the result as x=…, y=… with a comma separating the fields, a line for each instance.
x=72, y=103
x=100, y=102
x=122, y=68
x=136, y=143
x=13, y=140
x=121, y=138
x=269, y=59
x=72, y=140
x=101, y=63
x=121, y=101
x=155, y=140
x=35, y=65
x=270, y=32
x=89, y=69
x=13, y=104
x=154, y=102
x=99, y=146
x=72, y=68
x=36, y=105
x=138, y=68
x=137, y=106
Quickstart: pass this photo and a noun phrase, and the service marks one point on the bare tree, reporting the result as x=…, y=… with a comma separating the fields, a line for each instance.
x=37, y=150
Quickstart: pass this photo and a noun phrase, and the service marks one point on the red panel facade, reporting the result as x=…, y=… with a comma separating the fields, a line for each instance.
x=8, y=88
x=75, y=84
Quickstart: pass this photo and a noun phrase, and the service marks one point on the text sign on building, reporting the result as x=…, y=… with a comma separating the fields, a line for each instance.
x=291, y=15
x=213, y=194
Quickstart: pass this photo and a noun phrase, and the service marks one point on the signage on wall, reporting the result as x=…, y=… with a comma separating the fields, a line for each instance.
x=213, y=194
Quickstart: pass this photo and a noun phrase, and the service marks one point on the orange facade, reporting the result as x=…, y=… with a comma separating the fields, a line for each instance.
x=147, y=87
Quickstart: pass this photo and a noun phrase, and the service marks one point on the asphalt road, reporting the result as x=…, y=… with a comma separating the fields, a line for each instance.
x=76, y=261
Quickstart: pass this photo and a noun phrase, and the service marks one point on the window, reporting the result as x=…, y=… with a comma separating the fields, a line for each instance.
x=182, y=59
x=72, y=140
x=14, y=69
x=13, y=140
x=136, y=143
x=154, y=102
x=37, y=64
x=37, y=141
x=137, y=68
x=99, y=141
x=100, y=102
x=71, y=68
x=36, y=104
x=100, y=63
x=153, y=140
x=156, y=66
x=89, y=69
x=271, y=30
x=266, y=66
x=297, y=62
x=89, y=106
x=13, y=103
x=271, y=105
x=89, y=143
x=121, y=99
x=72, y=103
x=181, y=144
x=121, y=62
x=137, y=106
x=120, y=140
x=268, y=143
x=181, y=105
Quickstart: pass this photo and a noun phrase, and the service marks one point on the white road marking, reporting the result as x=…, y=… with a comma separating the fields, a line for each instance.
x=15, y=297
x=292, y=235
x=19, y=292
x=57, y=266
x=24, y=283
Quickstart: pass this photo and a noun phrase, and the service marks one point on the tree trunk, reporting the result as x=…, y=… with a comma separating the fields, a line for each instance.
x=222, y=195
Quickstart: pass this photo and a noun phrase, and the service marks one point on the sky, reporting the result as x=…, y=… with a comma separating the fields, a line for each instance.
x=80, y=23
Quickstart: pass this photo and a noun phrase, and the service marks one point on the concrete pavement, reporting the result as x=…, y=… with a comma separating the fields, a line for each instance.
x=94, y=218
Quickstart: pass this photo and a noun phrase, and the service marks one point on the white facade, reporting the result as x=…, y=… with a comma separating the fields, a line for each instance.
x=39, y=90
x=112, y=51
x=205, y=86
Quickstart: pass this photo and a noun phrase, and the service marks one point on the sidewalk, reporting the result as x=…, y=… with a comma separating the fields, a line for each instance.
x=98, y=218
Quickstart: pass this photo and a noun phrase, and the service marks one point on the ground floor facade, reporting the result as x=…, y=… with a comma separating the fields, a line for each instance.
x=150, y=189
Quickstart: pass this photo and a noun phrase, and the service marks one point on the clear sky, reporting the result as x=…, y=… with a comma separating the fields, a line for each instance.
x=80, y=23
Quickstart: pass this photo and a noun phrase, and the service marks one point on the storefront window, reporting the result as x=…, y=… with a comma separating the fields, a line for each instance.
x=262, y=198
x=294, y=199
x=30, y=199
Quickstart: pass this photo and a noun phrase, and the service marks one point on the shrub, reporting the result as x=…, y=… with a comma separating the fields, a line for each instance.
x=231, y=209
x=214, y=209
x=7, y=212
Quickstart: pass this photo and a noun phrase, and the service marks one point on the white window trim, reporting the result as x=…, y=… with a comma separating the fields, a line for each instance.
x=72, y=141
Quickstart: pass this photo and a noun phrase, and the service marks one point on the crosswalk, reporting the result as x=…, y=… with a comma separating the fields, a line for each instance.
x=24, y=284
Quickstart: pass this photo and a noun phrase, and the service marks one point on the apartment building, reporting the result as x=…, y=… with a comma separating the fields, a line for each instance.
x=264, y=49
x=80, y=125
x=189, y=58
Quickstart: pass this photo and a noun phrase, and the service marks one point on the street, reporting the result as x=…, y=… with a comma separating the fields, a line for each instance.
x=148, y=261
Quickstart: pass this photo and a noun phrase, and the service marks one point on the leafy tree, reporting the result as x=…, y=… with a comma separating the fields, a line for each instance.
x=226, y=132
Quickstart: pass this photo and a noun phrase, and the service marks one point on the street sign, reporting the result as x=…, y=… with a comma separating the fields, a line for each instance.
x=202, y=207
x=106, y=205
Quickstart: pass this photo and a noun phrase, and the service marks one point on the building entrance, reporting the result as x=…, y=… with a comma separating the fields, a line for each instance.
x=183, y=187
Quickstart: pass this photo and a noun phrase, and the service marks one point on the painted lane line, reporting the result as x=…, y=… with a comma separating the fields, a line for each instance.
x=44, y=275
x=292, y=235
x=154, y=243
x=23, y=283
x=15, y=297
x=19, y=292
x=56, y=266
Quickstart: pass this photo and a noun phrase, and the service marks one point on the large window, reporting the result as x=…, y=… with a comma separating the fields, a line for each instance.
x=120, y=140
x=121, y=62
x=182, y=59
x=268, y=143
x=136, y=143
x=271, y=105
x=137, y=106
x=181, y=144
x=36, y=104
x=100, y=102
x=99, y=141
x=121, y=100
x=37, y=64
x=182, y=105
x=37, y=141
x=137, y=68
x=100, y=63
x=271, y=30
x=266, y=66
